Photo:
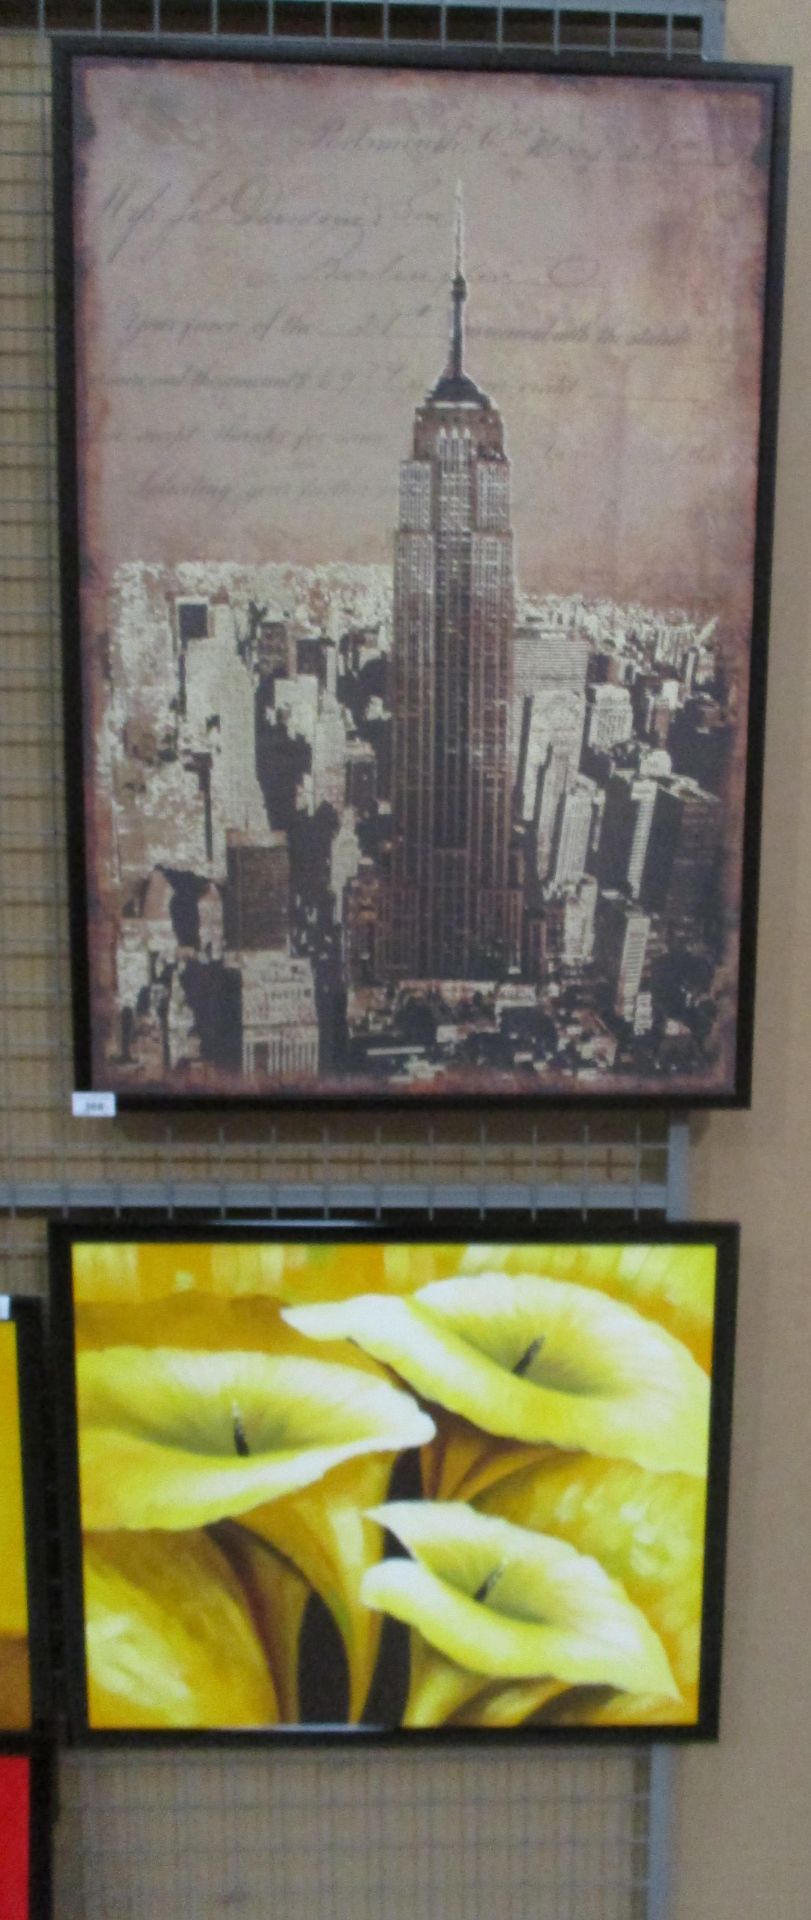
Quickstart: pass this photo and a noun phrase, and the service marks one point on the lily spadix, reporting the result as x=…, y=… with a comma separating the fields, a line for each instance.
x=171, y=1640
x=537, y=1360
x=507, y=1604
x=177, y=1438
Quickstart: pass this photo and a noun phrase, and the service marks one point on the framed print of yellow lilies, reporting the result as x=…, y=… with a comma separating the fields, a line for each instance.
x=366, y=1480
x=23, y=1631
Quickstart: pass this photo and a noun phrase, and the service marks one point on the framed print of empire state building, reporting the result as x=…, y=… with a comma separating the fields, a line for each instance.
x=417, y=437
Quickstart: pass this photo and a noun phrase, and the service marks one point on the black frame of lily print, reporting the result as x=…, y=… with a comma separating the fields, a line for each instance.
x=737, y=1091
x=26, y=1315
x=444, y=1228
x=39, y=1756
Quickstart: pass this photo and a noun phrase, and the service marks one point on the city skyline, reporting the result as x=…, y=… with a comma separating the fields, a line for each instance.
x=465, y=849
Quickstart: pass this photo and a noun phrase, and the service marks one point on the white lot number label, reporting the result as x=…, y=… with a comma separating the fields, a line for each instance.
x=93, y=1106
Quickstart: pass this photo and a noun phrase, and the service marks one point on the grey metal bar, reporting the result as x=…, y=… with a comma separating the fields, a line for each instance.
x=660, y=1824
x=345, y=1196
x=678, y=1170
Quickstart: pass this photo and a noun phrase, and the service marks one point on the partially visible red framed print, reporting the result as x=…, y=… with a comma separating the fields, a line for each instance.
x=15, y=1836
x=25, y=1835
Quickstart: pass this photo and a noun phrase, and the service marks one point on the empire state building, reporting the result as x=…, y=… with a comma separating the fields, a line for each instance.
x=452, y=913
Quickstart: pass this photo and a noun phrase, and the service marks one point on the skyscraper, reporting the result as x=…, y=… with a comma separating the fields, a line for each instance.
x=572, y=840
x=452, y=913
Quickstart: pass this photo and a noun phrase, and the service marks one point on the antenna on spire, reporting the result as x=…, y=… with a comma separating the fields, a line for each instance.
x=458, y=290
x=460, y=229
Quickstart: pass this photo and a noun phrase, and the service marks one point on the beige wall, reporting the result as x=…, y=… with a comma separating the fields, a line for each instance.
x=743, y=1831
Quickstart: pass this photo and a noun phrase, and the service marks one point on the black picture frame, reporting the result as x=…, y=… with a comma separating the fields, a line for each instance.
x=39, y=1756
x=26, y=1315
x=671, y=1094
x=445, y=1227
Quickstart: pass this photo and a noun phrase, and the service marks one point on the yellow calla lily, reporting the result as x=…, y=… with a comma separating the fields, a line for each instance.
x=673, y=1285
x=504, y=1603
x=278, y=1596
x=322, y=1529
x=170, y=1638
x=647, y=1530
x=537, y=1360
x=176, y=1438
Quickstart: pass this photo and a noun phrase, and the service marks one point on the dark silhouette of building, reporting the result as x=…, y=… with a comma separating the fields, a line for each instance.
x=361, y=776
x=362, y=926
x=452, y=913
x=257, y=895
x=680, y=868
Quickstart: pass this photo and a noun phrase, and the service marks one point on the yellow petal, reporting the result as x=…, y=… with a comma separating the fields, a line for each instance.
x=673, y=1285
x=512, y=1706
x=407, y=1266
x=441, y=1693
x=542, y=1361
x=13, y=1585
x=145, y=1272
x=176, y=1438
x=332, y=1270
x=150, y=1270
x=323, y=1531
x=438, y=1688
x=170, y=1638
x=647, y=1530
x=278, y=1597
x=202, y=1322
x=461, y=1461
x=508, y=1604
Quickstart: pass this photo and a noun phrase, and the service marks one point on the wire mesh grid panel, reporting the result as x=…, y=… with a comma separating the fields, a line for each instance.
x=363, y=1835
x=354, y=1837
x=653, y=26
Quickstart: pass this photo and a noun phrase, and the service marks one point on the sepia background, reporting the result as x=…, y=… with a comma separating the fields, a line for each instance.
x=546, y=1837
x=264, y=293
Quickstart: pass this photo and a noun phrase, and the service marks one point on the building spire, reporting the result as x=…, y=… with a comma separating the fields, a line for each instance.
x=455, y=388
x=459, y=292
